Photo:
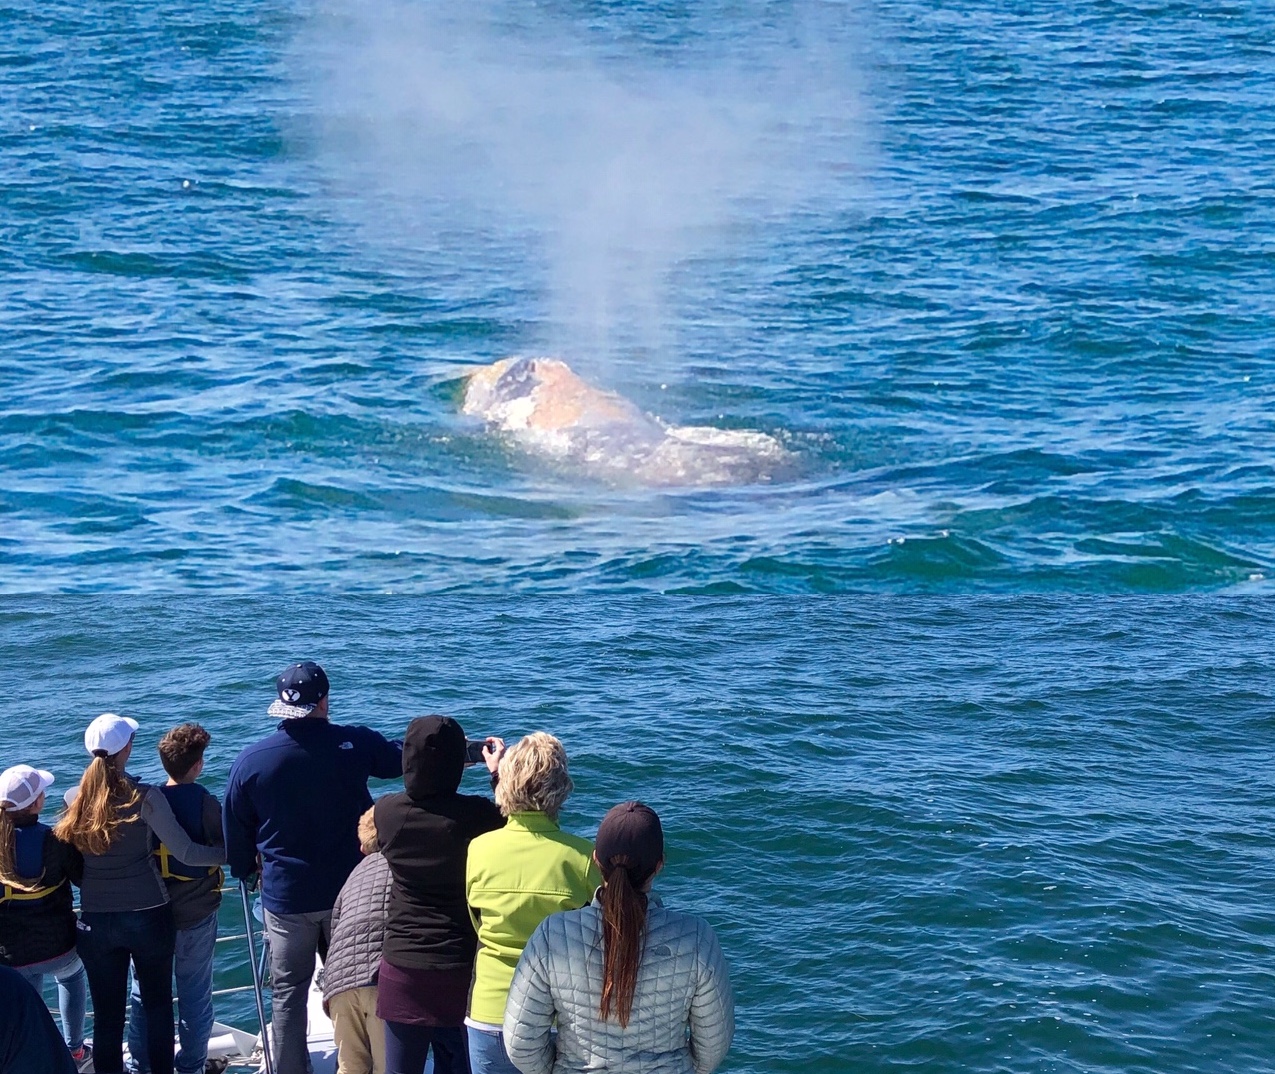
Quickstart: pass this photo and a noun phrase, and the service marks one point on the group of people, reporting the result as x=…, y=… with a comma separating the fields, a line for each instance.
x=469, y=926
x=147, y=862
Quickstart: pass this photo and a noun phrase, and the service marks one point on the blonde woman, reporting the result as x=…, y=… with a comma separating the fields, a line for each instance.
x=37, y=923
x=125, y=914
x=517, y=876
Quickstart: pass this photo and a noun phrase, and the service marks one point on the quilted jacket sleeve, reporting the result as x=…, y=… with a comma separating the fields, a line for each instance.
x=712, y=1015
x=529, y=1011
x=336, y=909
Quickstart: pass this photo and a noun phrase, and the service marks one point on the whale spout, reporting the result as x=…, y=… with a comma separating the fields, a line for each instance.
x=546, y=408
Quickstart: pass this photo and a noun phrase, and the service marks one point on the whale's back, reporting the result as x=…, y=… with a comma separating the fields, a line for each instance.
x=551, y=410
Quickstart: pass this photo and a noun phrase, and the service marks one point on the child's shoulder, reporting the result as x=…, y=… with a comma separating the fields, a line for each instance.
x=205, y=793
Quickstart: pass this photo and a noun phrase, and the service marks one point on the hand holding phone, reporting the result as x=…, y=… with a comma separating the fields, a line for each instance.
x=493, y=752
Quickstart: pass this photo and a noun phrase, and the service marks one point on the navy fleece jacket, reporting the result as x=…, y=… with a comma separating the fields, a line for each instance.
x=29, y=1040
x=296, y=798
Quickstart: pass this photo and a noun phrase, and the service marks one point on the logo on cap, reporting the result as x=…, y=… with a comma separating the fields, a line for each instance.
x=300, y=687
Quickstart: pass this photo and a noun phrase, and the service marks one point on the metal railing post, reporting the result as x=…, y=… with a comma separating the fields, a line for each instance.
x=256, y=979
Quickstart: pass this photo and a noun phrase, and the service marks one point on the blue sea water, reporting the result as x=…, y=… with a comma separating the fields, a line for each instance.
x=960, y=722
x=998, y=275
x=950, y=833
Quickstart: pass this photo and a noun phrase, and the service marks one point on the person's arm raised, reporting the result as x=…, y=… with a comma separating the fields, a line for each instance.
x=493, y=750
x=384, y=756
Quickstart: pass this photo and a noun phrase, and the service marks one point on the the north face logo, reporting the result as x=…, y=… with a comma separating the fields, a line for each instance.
x=346, y=746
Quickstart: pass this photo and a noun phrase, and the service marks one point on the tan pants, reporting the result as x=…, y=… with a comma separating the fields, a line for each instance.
x=359, y=1034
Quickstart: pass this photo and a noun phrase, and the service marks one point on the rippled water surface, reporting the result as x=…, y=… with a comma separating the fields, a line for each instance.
x=946, y=833
x=958, y=745
x=998, y=275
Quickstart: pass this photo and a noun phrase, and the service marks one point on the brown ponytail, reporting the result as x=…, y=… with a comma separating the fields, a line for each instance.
x=8, y=867
x=92, y=819
x=623, y=930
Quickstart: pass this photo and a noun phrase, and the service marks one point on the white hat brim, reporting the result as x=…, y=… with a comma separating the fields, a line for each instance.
x=283, y=711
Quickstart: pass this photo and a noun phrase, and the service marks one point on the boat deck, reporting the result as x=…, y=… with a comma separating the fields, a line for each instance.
x=243, y=1048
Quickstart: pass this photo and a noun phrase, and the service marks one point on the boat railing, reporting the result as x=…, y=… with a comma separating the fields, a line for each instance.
x=237, y=988
x=238, y=937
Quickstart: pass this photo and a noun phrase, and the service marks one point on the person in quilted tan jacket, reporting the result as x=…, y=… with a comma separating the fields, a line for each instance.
x=631, y=986
x=354, y=957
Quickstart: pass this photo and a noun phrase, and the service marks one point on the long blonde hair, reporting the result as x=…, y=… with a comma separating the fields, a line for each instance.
x=8, y=866
x=93, y=818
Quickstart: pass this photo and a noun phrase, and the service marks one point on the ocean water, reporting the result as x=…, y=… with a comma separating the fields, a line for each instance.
x=959, y=719
x=993, y=833
x=998, y=276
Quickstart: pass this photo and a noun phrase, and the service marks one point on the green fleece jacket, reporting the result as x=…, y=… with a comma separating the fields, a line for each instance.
x=515, y=877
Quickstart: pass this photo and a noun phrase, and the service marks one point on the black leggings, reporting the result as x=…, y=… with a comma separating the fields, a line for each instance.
x=107, y=943
x=407, y=1046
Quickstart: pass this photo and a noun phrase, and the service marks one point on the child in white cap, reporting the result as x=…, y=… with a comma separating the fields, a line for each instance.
x=37, y=922
x=124, y=909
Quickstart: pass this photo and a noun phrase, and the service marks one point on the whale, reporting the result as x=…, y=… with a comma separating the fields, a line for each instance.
x=547, y=409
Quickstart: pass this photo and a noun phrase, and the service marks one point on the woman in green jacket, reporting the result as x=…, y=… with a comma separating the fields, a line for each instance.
x=517, y=876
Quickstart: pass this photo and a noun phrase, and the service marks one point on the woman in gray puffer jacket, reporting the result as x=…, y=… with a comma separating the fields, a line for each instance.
x=631, y=986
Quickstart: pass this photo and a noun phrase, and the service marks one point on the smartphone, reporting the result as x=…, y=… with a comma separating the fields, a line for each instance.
x=474, y=750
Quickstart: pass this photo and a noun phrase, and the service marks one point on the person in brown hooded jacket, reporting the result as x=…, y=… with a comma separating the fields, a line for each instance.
x=428, y=957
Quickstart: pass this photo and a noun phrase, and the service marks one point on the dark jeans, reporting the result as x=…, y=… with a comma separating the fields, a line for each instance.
x=406, y=1047
x=107, y=943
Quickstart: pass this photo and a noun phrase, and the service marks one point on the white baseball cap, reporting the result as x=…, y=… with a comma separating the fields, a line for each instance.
x=21, y=785
x=109, y=734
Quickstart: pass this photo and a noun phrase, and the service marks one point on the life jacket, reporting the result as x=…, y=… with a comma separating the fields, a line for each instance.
x=28, y=860
x=187, y=803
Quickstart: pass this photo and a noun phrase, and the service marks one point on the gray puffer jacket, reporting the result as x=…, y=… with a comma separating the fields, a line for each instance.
x=682, y=985
x=358, y=927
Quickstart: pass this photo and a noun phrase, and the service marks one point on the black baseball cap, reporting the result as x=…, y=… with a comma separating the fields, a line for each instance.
x=300, y=687
x=630, y=837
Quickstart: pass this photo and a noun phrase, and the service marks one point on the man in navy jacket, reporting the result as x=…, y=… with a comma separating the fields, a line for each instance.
x=293, y=803
x=29, y=1041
